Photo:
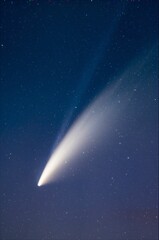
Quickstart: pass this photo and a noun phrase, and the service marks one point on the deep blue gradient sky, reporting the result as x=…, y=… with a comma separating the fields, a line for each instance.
x=56, y=57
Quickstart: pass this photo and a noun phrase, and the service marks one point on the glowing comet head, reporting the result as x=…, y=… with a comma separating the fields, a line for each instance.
x=39, y=184
x=90, y=125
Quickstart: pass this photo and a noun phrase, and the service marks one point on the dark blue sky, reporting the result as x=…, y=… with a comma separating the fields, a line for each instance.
x=56, y=57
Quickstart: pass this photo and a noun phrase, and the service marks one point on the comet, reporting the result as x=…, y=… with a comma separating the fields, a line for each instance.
x=90, y=126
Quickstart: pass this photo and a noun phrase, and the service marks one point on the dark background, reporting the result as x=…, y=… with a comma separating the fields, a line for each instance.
x=56, y=56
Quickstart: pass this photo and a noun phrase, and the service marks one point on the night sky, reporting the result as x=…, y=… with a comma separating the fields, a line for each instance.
x=57, y=57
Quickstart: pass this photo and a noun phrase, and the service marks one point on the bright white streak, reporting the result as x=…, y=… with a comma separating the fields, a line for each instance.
x=90, y=125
